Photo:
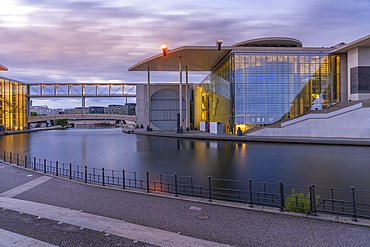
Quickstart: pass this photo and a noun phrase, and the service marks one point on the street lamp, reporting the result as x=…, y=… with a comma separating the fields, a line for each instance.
x=218, y=43
x=164, y=49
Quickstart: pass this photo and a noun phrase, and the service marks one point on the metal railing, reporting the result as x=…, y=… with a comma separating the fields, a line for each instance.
x=287, y=197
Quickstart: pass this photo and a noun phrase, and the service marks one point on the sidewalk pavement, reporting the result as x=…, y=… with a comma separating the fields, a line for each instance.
x=58, y=211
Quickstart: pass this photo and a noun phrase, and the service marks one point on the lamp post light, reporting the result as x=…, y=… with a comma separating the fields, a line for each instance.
x=164, y=49
x=218, y=43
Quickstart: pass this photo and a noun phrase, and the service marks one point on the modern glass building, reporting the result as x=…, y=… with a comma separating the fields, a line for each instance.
x=13, y=105
x=264, y=80
x=261, y=81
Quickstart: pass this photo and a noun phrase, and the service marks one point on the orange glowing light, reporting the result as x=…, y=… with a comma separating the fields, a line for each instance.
x=164, y=49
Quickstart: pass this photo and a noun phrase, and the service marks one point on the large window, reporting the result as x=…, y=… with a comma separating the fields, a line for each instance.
x=13, y=105
x=253, y=89
x=217, y=96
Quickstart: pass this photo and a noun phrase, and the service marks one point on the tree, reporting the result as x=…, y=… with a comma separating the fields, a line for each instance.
x=33, y=114
x=61, y=122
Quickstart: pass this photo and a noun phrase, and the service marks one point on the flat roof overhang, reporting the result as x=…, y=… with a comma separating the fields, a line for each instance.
x=365, y=41
x=3, y=68
x=195, y=58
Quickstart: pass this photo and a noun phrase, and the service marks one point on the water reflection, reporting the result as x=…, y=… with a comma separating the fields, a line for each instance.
x=325, y=165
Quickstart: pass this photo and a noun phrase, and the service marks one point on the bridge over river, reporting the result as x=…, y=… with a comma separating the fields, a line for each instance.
x=36, y=119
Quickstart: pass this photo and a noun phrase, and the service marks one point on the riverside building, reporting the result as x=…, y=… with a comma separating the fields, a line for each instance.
x=261, y=81
x=13, y=104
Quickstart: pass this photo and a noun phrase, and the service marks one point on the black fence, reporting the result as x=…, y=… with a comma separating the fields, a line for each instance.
x=287, y=197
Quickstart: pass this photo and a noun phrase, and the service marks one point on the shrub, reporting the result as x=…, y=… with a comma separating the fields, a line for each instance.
x=298, y=202
x=61, y=122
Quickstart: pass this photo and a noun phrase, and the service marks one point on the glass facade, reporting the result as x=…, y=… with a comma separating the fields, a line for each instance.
x=13, y=105
x=262, y=88
x=217, y=96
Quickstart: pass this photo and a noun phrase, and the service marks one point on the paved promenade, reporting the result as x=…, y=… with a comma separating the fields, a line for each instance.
x=228, y=137
x=39, y=210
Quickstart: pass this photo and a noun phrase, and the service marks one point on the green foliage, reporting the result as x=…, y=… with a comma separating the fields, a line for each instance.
x=33, y=114
x=298, y=202
x=61, y=122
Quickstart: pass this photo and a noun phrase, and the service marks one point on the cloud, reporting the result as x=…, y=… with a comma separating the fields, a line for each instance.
x=93, y=40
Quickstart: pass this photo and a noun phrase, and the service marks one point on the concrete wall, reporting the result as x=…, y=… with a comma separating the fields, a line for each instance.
x=359, y=56
x=354, y=124
x=142, y=113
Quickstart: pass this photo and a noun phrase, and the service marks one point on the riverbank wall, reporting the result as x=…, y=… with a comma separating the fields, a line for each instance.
x=270, y=139
x=29, y=131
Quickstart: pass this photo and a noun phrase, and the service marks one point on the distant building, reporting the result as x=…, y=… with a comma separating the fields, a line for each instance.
x=45, y=110
x=127, y=109
x=130, y=108
x=77, y=110
x=96, y=110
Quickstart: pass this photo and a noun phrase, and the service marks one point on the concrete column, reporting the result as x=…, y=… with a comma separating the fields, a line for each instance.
x=344, y=77
x=83, y=105
x=187, y=100
x=28, y=102
x=180, y=90
x=148, y=97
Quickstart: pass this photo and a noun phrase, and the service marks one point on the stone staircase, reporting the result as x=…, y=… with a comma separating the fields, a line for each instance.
x=332, y=108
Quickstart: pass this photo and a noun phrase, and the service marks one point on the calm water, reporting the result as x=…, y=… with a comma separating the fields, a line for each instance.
x=324, y=165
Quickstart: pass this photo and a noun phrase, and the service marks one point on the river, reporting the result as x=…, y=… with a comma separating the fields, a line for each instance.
x=109, y=148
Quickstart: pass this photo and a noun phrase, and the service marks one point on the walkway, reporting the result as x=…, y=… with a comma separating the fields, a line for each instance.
x=57, y=211
x=228, y=137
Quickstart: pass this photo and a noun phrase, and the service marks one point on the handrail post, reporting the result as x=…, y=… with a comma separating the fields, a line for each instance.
x=56, y=168
x=123, y=179
x=282, y=199
x=25, y=161
x=4, y=156
x=250, y=193
x=102, y=175
x=176, y=195
x=353, y=204
x=85, y=174
x=147, y=182
x=10, y=157
x=17, y=159
x=313, y=200
x=44, y=165
x=34, y=163
x=70, y=170
x=209, y=189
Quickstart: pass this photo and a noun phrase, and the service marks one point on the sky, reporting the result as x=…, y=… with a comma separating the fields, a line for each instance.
x=54, y=41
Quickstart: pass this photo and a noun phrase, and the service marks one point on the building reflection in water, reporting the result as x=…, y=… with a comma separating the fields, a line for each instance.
x=325, y=165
